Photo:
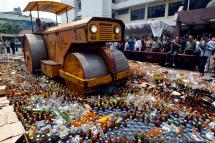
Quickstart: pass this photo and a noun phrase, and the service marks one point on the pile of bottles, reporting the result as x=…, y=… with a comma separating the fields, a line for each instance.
x=154, y=105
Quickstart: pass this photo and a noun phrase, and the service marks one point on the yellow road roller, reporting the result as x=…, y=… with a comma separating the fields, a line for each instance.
x=76, y=51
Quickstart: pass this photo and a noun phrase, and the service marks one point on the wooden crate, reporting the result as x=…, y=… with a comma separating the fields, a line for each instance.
x=51, y=68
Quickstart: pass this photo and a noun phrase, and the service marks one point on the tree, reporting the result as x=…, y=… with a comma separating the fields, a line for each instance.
x=10, y=28
x=18, y=28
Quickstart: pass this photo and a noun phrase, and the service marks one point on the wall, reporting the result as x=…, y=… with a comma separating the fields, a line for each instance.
x=71, y=13
x=119, y=1
x=89, y=8
x=107, y=8
x=98, y=8
x=130, y=3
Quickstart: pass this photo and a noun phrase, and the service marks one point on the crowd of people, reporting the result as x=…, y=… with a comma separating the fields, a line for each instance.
x=202, y=46
x=9, y=46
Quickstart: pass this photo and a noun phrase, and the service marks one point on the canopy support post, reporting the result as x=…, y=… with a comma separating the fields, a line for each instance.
x=31, y=22
x=56, y=20
x=38, y=15
x=188, y=5
x=67, y=16
x=178, y=28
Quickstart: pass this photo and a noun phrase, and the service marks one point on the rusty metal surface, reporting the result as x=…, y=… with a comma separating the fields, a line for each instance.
x=109, y=59
x=82, y=23
x=68, y=26
x=93, y=64
x=37, y=49
x=121, y=61
x=115, y=60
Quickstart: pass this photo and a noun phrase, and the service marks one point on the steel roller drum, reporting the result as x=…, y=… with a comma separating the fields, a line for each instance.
x=93, y=65
x=121, y=61
x=36, y=49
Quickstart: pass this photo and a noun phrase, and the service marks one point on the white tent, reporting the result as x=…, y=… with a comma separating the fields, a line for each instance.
x=154, y=27
x=211, y=4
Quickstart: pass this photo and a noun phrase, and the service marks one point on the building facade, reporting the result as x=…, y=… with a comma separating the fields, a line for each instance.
x=139, y=11
x=129, y=11
x=14, y=21
x=134, y=13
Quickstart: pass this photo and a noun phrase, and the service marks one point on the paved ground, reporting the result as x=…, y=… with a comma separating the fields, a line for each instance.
x=17, y=53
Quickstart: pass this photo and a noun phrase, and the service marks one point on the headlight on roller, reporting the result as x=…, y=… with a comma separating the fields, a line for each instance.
x=93, y=29
x=117, y=30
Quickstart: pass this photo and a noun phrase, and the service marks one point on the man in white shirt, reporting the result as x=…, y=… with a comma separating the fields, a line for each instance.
x=1, y=47
x=206, y=52
x=138, y=45
x=210, y=65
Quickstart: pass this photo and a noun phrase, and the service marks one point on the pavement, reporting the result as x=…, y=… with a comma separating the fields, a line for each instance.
x=17, y=53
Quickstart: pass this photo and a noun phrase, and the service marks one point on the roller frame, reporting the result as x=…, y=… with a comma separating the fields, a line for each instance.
x=114, y=62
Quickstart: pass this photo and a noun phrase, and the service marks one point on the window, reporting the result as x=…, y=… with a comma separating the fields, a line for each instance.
x=79, y=4
x=78, y=17
x=122, y=11
x=118, y=1
x=138, y=14
x=156, y=11
x=173, y=7
x=196, y=4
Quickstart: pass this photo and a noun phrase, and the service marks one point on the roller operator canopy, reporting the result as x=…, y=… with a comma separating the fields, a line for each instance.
x=48, y=6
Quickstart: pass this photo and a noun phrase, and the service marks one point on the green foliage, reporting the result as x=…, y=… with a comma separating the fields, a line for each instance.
x=10, y=28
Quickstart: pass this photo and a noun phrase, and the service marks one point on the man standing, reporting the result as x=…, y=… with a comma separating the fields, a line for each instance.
x=7, y=45
x=12, y=46
x=143, y=44
x=156, y=45
x=190, y=46
x=138, y=45
x=16, y=46
x=206, y=52
x=209, y=67
x=176, y=47
x=131, y=44
x=148, y=42
x=167, y=47
x=1, y=47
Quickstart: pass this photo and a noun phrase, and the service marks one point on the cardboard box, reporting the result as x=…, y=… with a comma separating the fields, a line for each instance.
x=8, y=109
x=10, y=131
x=11, y=140
x=3, y=119
x=6, y=132
x=2, y=90
x=12, y=118
x=4, y=102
